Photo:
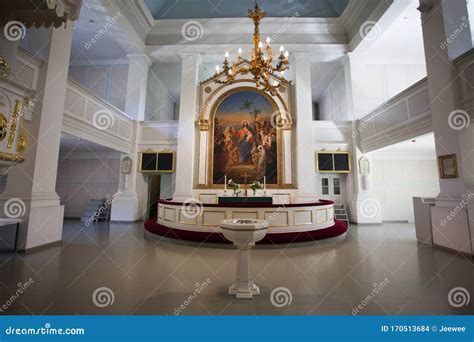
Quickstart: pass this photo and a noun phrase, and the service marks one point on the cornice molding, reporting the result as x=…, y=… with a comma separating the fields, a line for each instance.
x=271, y=26
x=131, y=21
x=213, y=53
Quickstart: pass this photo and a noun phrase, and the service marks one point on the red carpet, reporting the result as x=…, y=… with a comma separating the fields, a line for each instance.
x=339, y=228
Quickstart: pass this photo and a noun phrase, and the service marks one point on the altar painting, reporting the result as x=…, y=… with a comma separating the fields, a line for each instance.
x=245, y=142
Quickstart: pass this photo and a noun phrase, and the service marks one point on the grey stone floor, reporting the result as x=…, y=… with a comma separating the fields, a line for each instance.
x=381, y=268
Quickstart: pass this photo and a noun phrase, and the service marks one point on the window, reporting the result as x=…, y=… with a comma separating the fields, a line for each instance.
x=336, y=186
x=325, y=186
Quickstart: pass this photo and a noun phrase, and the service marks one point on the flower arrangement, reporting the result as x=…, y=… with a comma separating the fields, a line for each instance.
x=255, y=186
x=233, y=185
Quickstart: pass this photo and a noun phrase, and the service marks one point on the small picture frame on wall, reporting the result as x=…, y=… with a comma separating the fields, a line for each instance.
x=126, y=167
x=448, y=166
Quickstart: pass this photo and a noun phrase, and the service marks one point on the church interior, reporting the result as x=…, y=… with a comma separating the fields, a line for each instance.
x=283, y=157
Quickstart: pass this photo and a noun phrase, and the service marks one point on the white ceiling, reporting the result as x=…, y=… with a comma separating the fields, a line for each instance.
x=402, y=41
x=94, y=17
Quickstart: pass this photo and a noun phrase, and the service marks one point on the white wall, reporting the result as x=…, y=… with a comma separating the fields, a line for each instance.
x=374, y=84
x=109, y=82
x=333, y=104
x=399, y=174
x=163, y=93
x=85, y=176
x=160, y=104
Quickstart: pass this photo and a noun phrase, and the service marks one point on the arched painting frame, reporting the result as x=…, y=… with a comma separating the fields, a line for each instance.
x=243, y=139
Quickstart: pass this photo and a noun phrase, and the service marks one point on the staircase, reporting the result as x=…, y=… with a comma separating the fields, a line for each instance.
x=97, y=210
x=340, y=213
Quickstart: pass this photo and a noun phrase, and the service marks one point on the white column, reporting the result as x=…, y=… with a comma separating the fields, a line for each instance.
x=443, y=85
x=305, y=167
x=34, y=181
x=130, y=202
x=363, y=203
x=137, y=83
x=186, y=127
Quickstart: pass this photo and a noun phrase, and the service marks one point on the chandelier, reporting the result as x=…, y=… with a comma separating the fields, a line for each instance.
x=261, y=65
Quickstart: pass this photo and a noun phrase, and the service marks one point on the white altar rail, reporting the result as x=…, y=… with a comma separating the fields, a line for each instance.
x=405, y=116
x=281, y=219
x=89, y=117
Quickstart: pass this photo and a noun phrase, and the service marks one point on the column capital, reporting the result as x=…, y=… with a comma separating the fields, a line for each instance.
x=186, y=56
x=140, y=57
x=300, y=56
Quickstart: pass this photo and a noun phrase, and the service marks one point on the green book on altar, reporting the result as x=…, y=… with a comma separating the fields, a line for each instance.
x=251, y=199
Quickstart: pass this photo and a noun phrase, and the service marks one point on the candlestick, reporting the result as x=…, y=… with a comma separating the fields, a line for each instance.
x=264, y=185
x=225, y=183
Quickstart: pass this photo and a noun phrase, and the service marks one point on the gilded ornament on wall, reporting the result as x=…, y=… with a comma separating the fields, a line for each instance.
x=3, y=126
x=203, y=125
x=16, y=113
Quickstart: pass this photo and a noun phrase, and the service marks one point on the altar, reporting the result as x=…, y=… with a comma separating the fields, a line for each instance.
x=245, y=199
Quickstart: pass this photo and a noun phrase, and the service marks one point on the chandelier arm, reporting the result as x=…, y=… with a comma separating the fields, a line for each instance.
x=261, y=64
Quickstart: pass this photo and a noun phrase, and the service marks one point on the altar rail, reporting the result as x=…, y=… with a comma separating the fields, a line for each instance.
x=90, y=117
x=297, y=217
x=405, y=116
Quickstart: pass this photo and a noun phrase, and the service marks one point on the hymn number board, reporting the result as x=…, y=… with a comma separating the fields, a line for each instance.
x=157, y=161
x=338, y=162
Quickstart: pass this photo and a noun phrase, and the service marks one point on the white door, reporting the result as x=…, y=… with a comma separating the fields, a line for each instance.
x=331, y=187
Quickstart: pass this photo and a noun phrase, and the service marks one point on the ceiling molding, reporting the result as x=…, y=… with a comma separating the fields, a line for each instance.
x=95, y=62
x=134, y=20
x=215, y=52
x=271, y=26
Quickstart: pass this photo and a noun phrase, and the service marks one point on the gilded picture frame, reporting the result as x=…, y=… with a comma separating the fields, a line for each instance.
x=448, y=166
